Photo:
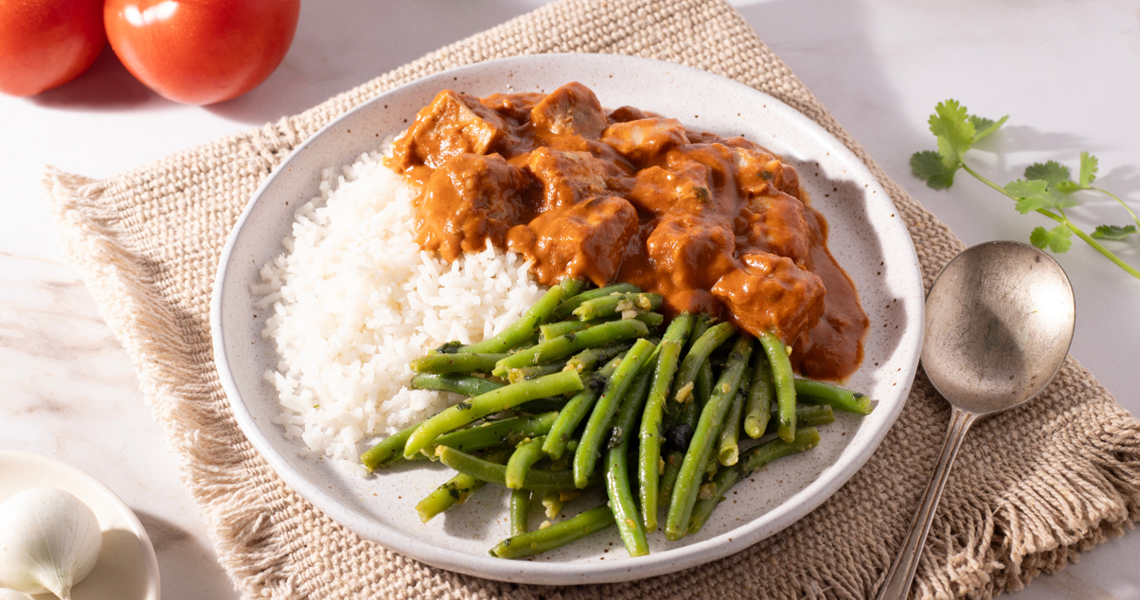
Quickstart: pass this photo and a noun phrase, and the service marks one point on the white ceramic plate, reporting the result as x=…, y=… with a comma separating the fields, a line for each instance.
x=867, y=236
x=127, y=568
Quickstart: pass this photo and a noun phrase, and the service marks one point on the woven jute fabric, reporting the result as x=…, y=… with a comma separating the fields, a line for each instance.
x=1032, y=488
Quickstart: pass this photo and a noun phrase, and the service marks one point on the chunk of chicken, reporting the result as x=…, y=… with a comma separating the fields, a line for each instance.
x=658, y=190
x=570, y=177
x=587, y=240
x=451, y=125
x=776, y=224
x=644, y=142
x=770, y=293
x=513, y=106
x=760, y=173
x=470, y=199
x=692, y=249
x=570, y=110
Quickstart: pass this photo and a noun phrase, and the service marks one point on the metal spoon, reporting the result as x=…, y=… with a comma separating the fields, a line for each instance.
x=999, y=321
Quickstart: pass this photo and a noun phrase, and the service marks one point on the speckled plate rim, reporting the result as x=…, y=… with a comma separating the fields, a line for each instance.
x=887, y=409
x=25, y=470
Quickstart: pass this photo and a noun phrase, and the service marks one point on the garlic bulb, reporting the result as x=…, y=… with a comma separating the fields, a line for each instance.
x=49, y=541
x=7, y=594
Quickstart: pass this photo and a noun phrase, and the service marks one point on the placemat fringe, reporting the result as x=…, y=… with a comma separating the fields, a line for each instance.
x=212, y=470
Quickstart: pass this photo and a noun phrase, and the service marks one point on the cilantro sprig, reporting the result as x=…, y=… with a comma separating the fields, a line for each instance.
x=1047, y=188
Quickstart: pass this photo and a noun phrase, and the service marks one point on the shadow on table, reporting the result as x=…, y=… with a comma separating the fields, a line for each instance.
x=187, y=569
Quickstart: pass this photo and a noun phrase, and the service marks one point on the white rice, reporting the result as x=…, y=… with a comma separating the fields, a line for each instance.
x=355, y=299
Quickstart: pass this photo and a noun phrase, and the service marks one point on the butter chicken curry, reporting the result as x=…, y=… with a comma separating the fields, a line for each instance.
x=717, y=225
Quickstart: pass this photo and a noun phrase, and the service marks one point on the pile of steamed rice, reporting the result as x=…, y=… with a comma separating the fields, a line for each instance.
x=354, y=299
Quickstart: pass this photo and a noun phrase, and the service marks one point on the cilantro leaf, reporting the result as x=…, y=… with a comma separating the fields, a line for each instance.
x=954, y=130
x=983, y=126
x=950, y=154
x=1089, y=167
x=1035, y=194
x=1051, y=172
x=927, y=166
x=1057, y=239
x=1113, y=232
x=1067, y=187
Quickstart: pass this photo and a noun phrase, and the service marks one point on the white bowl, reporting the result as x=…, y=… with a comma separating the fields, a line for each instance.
x=127, y=568
x=867, y=237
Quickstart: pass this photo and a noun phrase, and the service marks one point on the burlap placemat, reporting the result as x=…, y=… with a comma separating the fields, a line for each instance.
x=1032, y=488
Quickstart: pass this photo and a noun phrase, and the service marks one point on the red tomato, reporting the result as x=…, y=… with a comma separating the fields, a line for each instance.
x=201, y=51
x=45, y=43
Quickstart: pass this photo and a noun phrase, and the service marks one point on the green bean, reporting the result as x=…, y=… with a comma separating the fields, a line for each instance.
x=455, y=363
x=573, y=287
x=560, y=328
x=817, y=392
x=524, y=457
x=728, y=449
x=625, y=421
x=758, y=408
x=536, y=479
x=576, y=409
x=544, y=405
x=697, y=355
x=387, y=448
x=784, y=381
x=651, y=430
x=495, y=433
x=520, y=512
x=700, y=449
x=564, y=463
x=808, y=416
x=617, y=304
x=455, y=491
x=553, y=330
x=675, y=412
x=566, y=345
x=605, y=333
x=652, y=319
x=681, y=431
x=555, y=536
x=492, y=402
x=527, y=325
x=604, y=409
x=528, y=373
x=453, y=382
x=505, y=431
x=752, y=460
x=630, y=529
x=672, y=468
x=589, y=358
x=567, y=307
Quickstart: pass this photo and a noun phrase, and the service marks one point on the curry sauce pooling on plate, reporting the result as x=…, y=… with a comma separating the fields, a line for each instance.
x=717, y=225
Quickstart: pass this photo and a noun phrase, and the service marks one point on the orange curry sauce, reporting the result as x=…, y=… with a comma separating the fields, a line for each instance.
x=713, y=224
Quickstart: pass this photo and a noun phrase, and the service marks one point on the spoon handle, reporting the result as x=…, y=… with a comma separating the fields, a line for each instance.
x=901, y=574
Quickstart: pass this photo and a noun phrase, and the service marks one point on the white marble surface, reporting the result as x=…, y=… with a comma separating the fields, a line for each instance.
x=1066, y=72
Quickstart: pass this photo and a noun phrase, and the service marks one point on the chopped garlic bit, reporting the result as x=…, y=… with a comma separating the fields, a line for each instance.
x=707, y=491
x=685, y=394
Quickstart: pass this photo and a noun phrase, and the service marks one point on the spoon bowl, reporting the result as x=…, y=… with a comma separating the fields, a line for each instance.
x=999, y=322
